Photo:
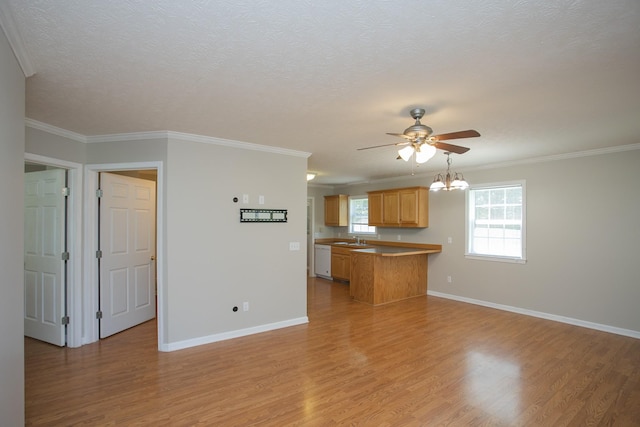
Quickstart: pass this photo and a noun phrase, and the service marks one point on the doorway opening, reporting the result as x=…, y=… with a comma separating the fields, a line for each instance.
x=310, y=237
x=127, y=251
x=92, y=261
x=56, y=310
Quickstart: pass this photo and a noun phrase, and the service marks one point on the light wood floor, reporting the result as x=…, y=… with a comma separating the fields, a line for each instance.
x=420, y=362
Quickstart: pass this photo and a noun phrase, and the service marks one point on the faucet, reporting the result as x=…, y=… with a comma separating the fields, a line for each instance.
x=357, y=240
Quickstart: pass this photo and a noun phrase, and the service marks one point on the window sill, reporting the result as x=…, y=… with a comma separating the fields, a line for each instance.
x=496, y=258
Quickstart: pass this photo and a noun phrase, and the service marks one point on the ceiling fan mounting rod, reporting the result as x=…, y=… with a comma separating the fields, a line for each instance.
x=417, y=113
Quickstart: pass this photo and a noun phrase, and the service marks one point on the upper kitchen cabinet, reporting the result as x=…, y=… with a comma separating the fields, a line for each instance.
x=336, y=210
x=399, y=207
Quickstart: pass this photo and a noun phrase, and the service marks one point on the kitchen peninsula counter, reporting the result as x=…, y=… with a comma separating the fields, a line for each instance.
x=384, y=274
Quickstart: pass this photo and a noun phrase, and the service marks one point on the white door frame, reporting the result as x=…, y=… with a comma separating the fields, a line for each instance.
x=311, y=238
x=74, y=244
x=91, y=243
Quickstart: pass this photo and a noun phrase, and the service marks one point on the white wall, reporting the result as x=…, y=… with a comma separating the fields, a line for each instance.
x=214, y=261
x=54, y=146
x=582, y=240
x=12, y=102
x=211, y=261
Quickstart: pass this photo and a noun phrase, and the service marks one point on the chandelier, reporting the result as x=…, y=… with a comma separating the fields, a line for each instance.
x=449, y=182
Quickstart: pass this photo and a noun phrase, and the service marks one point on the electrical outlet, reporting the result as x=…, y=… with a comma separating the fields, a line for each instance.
x=449, y=240
x=245, y=198
x=245, y=306
x=261, y=200
x=399, y=237
x=449, y=279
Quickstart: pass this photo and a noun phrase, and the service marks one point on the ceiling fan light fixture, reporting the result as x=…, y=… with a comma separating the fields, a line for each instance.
x=406, y=152
x=424, y=153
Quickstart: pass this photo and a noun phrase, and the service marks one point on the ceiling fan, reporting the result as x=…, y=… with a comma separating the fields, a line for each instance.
x=419, y=140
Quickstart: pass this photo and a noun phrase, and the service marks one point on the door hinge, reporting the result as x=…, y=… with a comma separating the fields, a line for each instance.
x=65, y=256
x=99, y=193
x=65, y=320
x=98, y=314
x=66, y=191
x=98, y=253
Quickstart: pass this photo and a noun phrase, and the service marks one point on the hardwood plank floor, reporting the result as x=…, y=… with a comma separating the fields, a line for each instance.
x=419, y=362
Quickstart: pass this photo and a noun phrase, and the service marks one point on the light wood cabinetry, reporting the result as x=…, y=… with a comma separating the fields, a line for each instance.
x=399, y=207
x=341, y=263
x=380, y=279
x=336, y=210
x=375, y=208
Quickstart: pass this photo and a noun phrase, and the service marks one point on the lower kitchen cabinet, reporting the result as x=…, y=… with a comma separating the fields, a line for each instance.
x=341, y=263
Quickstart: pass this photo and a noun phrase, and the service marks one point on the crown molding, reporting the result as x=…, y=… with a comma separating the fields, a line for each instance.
x=15, y=40
x=564, y=156
x=34, y=124
x=161, y=134
x=132, y=136
x=237, y=144
x=542, y=159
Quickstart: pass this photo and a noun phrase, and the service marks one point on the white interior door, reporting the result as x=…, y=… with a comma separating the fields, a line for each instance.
x=127, y=242
x=44, y=244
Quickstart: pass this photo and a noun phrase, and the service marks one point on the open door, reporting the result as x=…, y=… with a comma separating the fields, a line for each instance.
x=44, y=256
x=127, y=242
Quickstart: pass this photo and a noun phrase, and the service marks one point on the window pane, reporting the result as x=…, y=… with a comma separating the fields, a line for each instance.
x=482, y=213
x=497, y=212
x=482, y=197
x=497, y=196
x=514, y=195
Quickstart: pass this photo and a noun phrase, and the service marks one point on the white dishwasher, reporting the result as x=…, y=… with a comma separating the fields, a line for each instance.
x=323, y=261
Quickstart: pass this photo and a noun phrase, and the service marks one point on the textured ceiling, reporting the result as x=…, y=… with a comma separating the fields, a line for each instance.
x=328, y=77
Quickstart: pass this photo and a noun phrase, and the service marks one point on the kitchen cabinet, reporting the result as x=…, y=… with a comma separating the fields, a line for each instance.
x=399, y=207
x=336, y=210
x=341, y=263
x=386, y=274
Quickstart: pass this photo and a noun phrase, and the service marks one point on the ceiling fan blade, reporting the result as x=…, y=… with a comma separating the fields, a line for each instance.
x=401, y=135
x=451, y=148
x=455, y=135
x=384, y=145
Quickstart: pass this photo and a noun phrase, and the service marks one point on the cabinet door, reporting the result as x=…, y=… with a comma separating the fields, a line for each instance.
x=331, y=207
x=391, y=208
x=375, y=209
x=338, y=267
x=336, y=210
x=414, y=207
x=409, y=207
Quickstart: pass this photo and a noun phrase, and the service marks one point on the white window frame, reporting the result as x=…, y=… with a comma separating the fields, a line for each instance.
x=469, y=221
x=371, y=229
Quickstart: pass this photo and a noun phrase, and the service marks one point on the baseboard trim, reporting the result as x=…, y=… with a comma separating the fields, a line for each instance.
x=542, y=315
x=194, y=342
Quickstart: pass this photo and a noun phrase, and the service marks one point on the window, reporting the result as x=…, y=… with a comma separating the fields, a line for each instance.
x=496, y=222
x=359, y=216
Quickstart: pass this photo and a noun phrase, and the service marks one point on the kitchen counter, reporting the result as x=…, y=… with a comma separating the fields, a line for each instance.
x=383, y=274
x=395, y=251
